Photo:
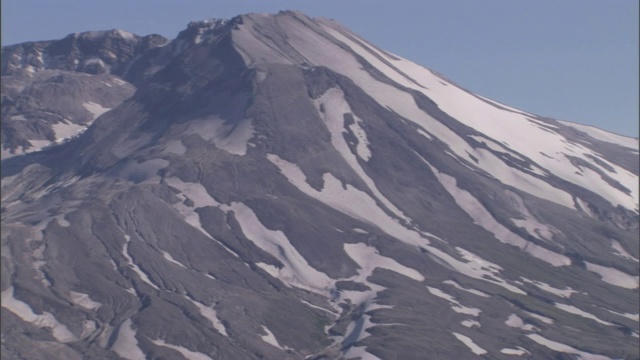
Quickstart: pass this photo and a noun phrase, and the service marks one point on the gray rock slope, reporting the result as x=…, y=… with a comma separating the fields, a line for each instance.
x=276, y=187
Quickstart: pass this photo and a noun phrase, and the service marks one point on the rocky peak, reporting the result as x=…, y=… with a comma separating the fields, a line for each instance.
x=93, y=52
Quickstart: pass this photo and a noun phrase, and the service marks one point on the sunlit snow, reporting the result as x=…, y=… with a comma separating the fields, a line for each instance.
x=470, y=344
x=335, y=106
x=565, y=293
x=65, y=130
x=519, y=351
x=210, y=314
x=459, y=287
x=232, y=138
x=470, y=323
x=133, y=265
x=635, y=317
x=457, y=307
x=84, y=300
x=296, y=271
x=544, y=319
x=126, y=344
x=269, y=338
x=556, y=346
x=614, y=276
x=574, y=310
x=368, y=258
x=516, y=322
x=45, y=320
x=527, y=136
x=483, y=217
x=170, y=259
x=95, y=109
x=350, y=201
x=188, y=354
x=606, y=136
x=621, y=251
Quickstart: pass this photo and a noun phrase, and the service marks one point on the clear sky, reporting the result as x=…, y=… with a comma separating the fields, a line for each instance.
x=573, y=60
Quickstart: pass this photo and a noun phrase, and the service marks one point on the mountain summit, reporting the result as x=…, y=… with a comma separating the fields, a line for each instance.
x=277, y=187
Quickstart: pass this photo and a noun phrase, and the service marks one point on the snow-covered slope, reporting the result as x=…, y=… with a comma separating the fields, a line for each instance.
x=276, y=186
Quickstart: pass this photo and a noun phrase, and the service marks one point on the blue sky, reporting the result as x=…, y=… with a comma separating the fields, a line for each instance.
x=573, y=60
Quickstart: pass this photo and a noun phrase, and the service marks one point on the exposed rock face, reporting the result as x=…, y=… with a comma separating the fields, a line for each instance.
x=92, y=52
x=276, y=187
x=53, y=90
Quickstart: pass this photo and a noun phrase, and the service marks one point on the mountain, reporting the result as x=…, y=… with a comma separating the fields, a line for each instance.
x=276, y=187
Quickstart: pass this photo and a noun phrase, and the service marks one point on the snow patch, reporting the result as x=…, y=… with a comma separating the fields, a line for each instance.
x=574, y=310
x=566, y=293
x=125, y=34
x=368, y=258
x=605, y=136
x=95, y=109
x=88, y=327
x=459, y=287
x=37, y=145
x=544, y=319
x=515, y=321
x=269, y=338
x=118, y=81
x=210, y=313
x=170, y=258
x=349, y=201
x=196, y=192
x=519, y=351
x=335, y=107
x=470, y=344
x=62, y=221
x=634, y=317
x=200, y=197
x=134, y=266
x=478, y=268
x=620, y=251
x=425, y=134
x=188, y=354
x=530, y=223
x=45, y=320
x=94, y=60
x=233, y=138
x=497, y=147
x=483, y=217
x=296, y=271
x=362, y=149
x=318, y=307
x=175, y=147
x=459, y=308
x=470, y=323
x=559, y=347
x=64, y=130
x=126, y=345
x=84, y=301
x=359, y=352
x=613, y=276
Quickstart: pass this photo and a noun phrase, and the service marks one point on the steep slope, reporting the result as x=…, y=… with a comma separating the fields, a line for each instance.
x=277, y=187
